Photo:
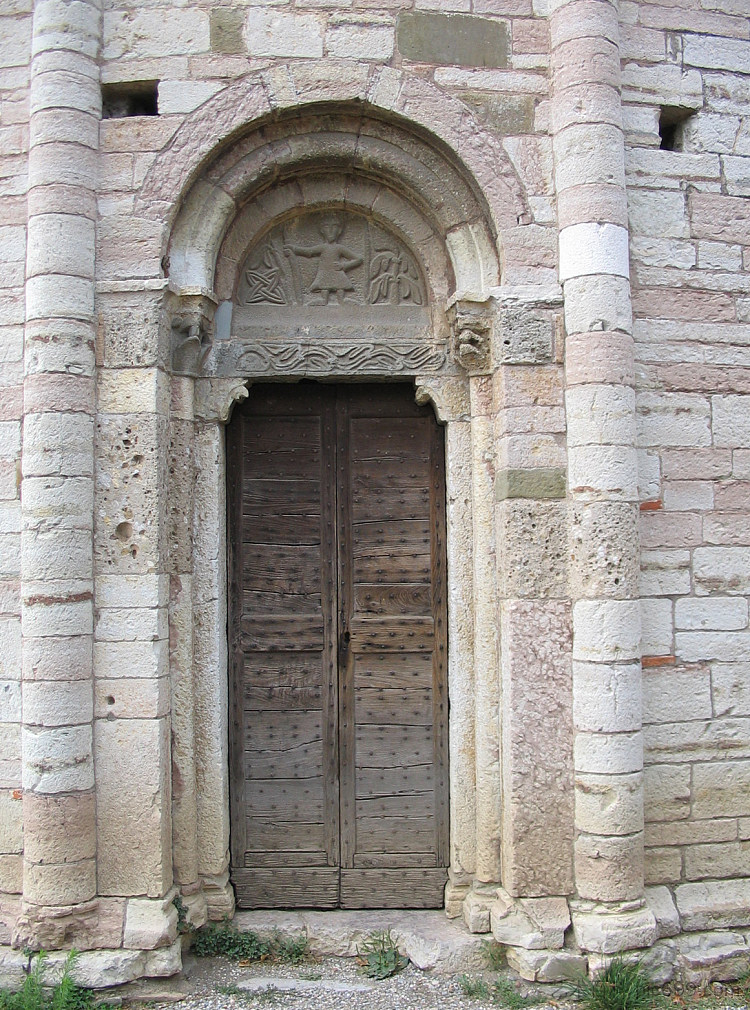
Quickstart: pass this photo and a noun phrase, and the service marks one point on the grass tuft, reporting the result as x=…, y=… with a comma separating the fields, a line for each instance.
x=505, y=993
x=495, y=954
x=291, y=950
x=622, y=985
x=474, y=988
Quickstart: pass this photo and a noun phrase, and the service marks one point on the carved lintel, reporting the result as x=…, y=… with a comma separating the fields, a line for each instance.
x=215, y=398
x=315, y=358
x=471, y=343
x=191, y=318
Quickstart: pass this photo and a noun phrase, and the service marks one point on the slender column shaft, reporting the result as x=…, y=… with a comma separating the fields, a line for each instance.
x=602, y=475
x=182, y=478
x=486, y=661
x=57, y=462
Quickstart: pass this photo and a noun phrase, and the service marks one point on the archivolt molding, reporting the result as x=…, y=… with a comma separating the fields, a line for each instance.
x=278, y=154
x=381, y=167
x=261, y=95
x=379, y=125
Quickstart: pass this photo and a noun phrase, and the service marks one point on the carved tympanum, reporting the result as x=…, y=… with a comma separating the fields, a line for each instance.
x=332, y=259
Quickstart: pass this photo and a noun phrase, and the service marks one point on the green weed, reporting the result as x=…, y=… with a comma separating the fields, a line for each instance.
x=34, y=995
x=291, y=950
x=495, y=954
x=183, y=926
x=623, y=985
x=474, y=988
x=226, y=941
x=379, y=957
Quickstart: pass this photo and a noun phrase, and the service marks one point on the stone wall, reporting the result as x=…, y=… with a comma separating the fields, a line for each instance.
x=688, y=214
x=590, y=221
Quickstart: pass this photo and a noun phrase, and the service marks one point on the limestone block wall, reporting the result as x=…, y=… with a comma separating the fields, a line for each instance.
x=690, y=228
x=609, y=423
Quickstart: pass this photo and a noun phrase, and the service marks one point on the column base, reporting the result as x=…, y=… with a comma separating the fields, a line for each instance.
x=219, y=895
x=96, y=969
x=455, y=895
x=151, y=922
x=90, y=924
x=613, y=927
x=195, y=907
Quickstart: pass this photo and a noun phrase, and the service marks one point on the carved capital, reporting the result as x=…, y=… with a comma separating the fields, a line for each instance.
x=215, y=398
x=191, y=318
x=449, y=395
x=471, y=342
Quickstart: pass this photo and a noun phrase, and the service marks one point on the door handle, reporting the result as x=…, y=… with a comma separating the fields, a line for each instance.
x=346, y=637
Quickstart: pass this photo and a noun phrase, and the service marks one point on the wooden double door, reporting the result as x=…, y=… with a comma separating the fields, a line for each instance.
x=339, y=708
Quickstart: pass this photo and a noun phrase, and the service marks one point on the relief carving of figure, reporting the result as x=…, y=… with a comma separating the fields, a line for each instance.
x=334, y=262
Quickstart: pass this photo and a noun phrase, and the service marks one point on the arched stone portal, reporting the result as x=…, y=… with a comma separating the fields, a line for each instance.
x=404, y=180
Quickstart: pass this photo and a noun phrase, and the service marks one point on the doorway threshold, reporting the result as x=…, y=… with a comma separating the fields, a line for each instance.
x=430, y=940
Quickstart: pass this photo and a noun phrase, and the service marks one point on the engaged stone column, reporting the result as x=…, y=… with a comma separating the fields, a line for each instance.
x=602, y=475
x=57, y=489
x=215, y=399
x=472, y=349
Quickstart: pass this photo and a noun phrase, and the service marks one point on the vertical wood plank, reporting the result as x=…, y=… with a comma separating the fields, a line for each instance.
x=346, y=657
x=440, y=640
x=329, y=594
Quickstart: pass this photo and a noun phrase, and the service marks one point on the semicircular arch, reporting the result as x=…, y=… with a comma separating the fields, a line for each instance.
x=382, y=126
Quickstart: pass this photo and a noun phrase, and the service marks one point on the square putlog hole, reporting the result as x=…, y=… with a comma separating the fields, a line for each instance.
x=672, y=120
x=130, y=98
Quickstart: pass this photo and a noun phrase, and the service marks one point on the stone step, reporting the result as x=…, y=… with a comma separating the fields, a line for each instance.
x=430, y=940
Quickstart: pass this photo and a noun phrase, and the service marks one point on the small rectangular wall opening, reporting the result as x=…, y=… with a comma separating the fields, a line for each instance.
x=672, y=121
x=130, y=98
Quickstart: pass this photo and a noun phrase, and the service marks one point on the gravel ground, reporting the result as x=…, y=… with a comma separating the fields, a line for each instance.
x=328, y=984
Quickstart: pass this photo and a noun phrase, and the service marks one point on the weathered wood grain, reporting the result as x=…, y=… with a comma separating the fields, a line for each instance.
x=392, y=599
x=276, y=836
x=337, y=646
x=382, y=747
x=401, y=887
x=393, y=707
x=295, y=887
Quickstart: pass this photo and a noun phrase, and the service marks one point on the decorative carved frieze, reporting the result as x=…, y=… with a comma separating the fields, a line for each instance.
x=324, y=358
